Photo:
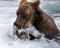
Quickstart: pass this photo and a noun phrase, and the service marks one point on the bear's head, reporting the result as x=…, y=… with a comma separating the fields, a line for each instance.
x=26, y=13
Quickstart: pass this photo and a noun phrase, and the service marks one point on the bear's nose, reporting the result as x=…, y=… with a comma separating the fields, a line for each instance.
x=17, y=25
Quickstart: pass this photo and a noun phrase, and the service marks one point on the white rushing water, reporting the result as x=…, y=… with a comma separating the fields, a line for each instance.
x=8, y=16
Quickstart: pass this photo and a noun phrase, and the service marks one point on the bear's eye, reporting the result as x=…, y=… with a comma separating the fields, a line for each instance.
x=26, y=15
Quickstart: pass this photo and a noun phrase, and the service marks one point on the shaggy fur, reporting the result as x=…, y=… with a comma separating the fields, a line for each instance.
x=30, y=13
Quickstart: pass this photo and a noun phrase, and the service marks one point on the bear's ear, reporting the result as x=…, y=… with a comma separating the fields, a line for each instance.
x=23, y=1
x=36, y=3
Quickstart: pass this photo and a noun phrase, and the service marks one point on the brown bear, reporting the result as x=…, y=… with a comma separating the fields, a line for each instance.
x=30, y=13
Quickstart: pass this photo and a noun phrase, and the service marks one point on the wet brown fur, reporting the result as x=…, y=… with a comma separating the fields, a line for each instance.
x=37, y=17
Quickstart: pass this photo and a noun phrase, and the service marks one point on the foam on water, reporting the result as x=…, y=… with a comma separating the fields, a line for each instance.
x=8, y=40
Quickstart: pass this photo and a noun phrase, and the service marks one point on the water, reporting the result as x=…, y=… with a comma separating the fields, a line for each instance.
x=8, y=16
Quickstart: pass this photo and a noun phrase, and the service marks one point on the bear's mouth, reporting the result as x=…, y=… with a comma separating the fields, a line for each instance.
x=24, y=33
